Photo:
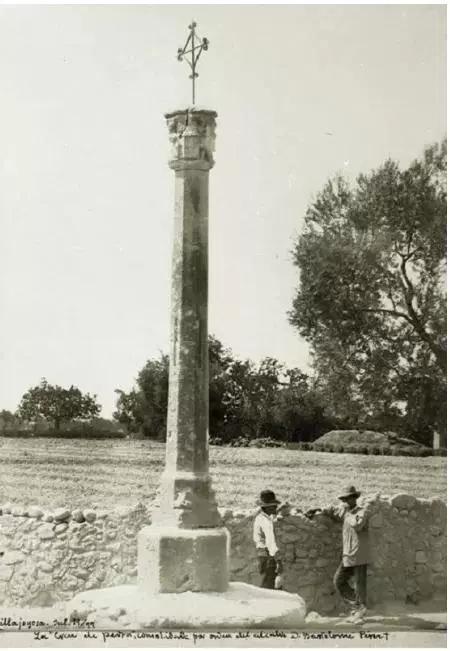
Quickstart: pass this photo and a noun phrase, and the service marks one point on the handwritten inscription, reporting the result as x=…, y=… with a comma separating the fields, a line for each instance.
x=67, y=630
x=19, y=624
x=206, y=637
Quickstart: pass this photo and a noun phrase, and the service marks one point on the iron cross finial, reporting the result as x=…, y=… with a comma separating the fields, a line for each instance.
x=197, y=45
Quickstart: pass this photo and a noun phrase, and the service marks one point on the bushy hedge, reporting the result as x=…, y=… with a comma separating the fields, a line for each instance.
x=376, y=450
x=266, y=442
x=394, y=450
x=240, y=442
x=98, y=428
x=246, y=442
x=63, y=434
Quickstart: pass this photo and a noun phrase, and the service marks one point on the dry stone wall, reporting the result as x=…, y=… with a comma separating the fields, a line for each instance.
x=408, y=545
x=49, y=557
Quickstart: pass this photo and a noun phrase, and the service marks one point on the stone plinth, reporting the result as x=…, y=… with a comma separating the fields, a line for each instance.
x=171, y=559
x=241, y=606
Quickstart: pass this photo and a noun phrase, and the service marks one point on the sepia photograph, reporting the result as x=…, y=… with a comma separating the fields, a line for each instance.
x=223, y=352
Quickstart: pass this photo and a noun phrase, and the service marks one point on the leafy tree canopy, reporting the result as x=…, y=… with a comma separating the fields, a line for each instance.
x=144, y=409
x=57, y=405
x=245, y=399
x=371, y=299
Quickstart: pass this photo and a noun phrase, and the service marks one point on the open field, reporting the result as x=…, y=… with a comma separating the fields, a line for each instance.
x=105, y=474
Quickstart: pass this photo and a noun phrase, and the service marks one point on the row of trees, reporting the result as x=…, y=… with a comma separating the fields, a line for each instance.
x=245, y=400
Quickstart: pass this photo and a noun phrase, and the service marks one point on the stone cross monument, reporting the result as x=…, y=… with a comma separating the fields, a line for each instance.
x=183, y=555
x=185, y=548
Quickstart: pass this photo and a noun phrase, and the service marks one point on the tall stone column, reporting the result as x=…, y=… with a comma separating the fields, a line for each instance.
x=185, y=548
x=183, y=555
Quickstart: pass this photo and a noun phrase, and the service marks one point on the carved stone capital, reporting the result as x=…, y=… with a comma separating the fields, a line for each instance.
x=192, y=139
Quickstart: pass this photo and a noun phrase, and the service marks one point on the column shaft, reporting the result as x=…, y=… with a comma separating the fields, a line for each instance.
x=186, y=497
x=187, y=417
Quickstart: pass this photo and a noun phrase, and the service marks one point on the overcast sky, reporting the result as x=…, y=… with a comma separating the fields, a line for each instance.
x=302, y=92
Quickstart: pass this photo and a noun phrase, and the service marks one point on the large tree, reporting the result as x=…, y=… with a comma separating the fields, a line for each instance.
x=57, y=405
x=371, y=298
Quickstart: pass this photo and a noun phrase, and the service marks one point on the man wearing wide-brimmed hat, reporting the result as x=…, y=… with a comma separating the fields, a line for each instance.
x=264, y=538
x=355, y=550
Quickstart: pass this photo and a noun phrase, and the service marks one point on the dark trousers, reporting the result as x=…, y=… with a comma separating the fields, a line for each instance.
x=268, y=571
x=356, y=596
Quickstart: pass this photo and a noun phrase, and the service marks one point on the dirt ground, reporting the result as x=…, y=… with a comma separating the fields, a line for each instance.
x=106, y=474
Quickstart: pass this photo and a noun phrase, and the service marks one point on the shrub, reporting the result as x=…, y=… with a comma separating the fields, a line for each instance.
x=266, y=442
x=305, y=445
x=440, y=452
x=339, y=449
x=353, y=449
x=385, y=450
x=318, y=447
x=240, y=442
x=376, y=450
x=215, y=440
x=364, y=449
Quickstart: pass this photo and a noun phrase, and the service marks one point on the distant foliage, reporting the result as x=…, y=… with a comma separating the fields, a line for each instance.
x=95, y=428
x=144, y=409
x=57, y=405
x=247, y=401
x=8, y=421
x=266, y=442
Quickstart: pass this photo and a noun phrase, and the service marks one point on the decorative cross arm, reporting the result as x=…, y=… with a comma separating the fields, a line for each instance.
x=196, y=45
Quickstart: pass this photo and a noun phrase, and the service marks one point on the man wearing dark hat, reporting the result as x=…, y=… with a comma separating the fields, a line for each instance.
x=264, y=538
x=355, y=550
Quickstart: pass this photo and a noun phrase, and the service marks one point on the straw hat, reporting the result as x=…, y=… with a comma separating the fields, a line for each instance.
x=350, y=491
x=267, y=498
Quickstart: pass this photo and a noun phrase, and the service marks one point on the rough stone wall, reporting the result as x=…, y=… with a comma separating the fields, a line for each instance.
x=52, y=556
x=408, y=543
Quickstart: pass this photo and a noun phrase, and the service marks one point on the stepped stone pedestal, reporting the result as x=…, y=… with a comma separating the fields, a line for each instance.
x=183, y=556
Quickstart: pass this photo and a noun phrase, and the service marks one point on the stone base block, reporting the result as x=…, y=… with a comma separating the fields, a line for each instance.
x=242, y=606
x=180, y=560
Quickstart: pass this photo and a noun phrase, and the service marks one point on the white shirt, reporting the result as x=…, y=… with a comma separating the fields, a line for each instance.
x=263, y=533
